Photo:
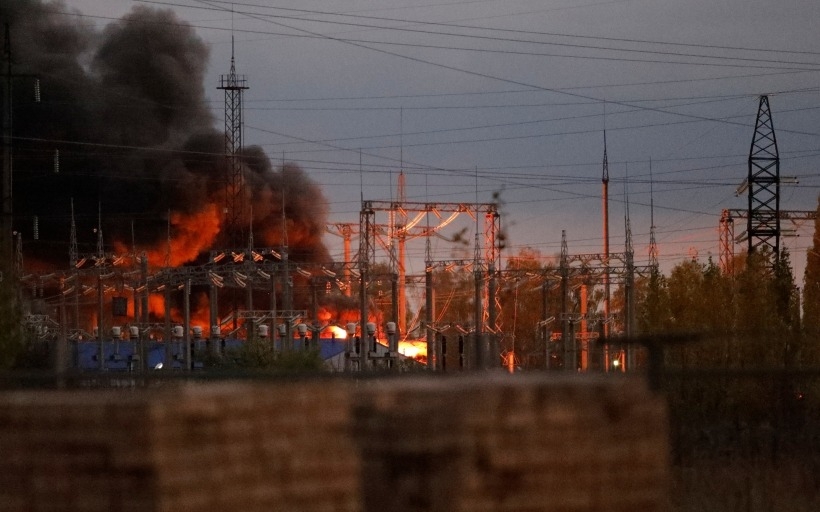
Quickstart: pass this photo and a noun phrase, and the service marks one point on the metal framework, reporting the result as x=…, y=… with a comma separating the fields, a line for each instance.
x=605, y=226
x=489, y=256
x=345, y=230
x=726, y=231
x=233, y=85
x=763, y=222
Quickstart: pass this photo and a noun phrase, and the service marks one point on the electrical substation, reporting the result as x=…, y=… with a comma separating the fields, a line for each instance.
x=114, y=310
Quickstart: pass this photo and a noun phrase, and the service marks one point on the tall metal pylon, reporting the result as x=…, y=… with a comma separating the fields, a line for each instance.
x=763, y=223
x=233, y=85
x=605, y=222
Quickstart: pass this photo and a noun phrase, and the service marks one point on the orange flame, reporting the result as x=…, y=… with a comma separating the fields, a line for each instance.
x=338, y=332
x=414, y=349
x=193, y=233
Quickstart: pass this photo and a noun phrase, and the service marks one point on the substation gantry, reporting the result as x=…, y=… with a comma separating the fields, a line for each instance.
x=582, y=271
x=406, y=216
x=257, y=271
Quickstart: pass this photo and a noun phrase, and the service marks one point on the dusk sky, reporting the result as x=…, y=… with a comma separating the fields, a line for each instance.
x=514, y=96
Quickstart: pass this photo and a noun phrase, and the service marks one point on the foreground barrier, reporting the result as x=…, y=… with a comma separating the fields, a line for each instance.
x=478, y=443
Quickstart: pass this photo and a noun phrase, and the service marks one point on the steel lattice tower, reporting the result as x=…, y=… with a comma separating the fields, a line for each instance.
x=763, y=223
x=727, y=242
x=233, y=85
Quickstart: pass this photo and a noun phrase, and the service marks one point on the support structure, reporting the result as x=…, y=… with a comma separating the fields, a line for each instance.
x=653, y=244
x=763, y=216
x=345, y=230
x=567, y=337
x=399, y=222
x=726, y=229
x=726, y=232
x=492, y=227
x=605, y=214
x=629, y=290
x=490, y=255
x=434, y=355
x=763, y=223
x=233, y=85
x=367, y=254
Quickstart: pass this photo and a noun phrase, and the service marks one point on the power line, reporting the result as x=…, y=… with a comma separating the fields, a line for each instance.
x=480, y=28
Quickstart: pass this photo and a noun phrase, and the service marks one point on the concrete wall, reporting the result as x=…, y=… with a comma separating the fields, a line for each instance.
x=479, y=443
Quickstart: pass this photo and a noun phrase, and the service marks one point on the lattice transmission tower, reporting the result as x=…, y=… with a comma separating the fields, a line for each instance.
x=763, y=181
x=233, y=85
x=763, y=217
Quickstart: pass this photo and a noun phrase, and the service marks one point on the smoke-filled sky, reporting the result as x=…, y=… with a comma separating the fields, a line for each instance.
x=125, y=130
x=468, y=98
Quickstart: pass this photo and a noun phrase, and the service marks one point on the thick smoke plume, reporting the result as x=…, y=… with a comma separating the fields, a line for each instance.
x=126, y=109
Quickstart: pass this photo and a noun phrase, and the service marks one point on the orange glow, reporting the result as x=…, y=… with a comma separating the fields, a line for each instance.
x=192, y=234
x=509, y=362
x=328, y=314
x=156, y=305
x=338, y=332
x=414, y=349
x=201, y=313
x=324, y=315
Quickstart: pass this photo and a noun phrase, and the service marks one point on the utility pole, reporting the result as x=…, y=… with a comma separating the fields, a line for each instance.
x=401, y=234
x=605, y=215
x=433, y=353
x=366, y=256
x=567, y=338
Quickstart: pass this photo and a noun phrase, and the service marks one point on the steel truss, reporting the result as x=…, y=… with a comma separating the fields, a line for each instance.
x=763, y=220
x=489, y=264
x=233, y=85
x=726, y=229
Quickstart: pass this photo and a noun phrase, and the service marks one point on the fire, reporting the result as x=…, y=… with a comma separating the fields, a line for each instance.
x=156, y=305
x=338, y=332
x=413, y=349
x=324, y=315
x=193, y=233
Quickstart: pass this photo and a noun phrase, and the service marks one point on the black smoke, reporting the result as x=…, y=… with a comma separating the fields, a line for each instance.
x=126, y=108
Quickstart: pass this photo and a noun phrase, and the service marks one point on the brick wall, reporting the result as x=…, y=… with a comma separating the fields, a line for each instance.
x=479, y=443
